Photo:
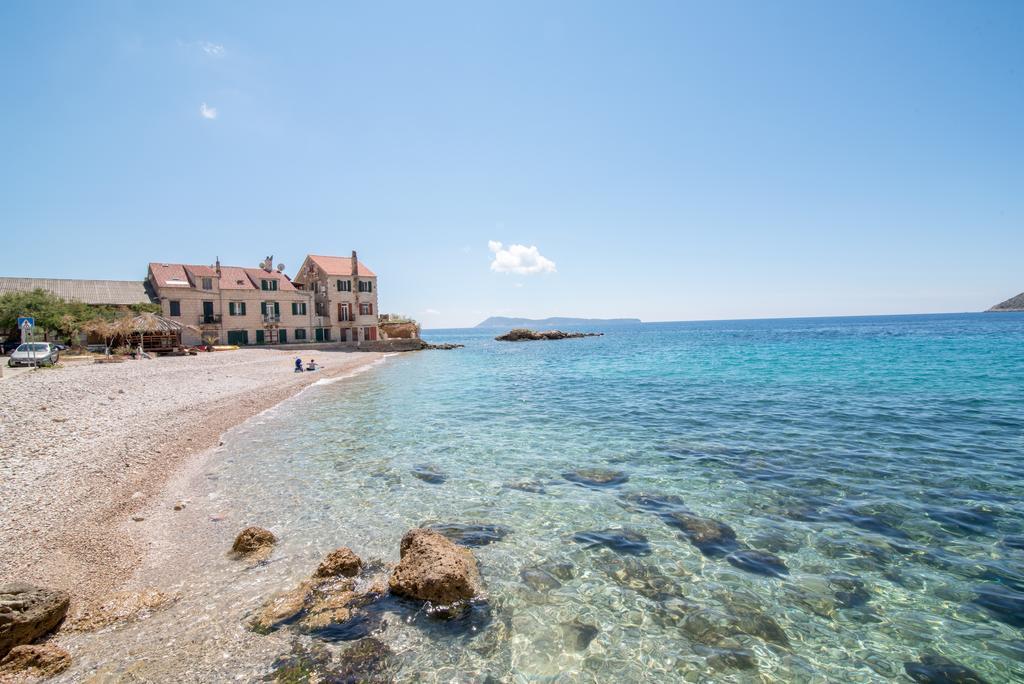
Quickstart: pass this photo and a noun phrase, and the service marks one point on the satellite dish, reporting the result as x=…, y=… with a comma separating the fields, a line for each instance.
x=280, y=267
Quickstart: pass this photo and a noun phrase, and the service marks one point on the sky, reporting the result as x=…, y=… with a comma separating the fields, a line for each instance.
x=657, y=160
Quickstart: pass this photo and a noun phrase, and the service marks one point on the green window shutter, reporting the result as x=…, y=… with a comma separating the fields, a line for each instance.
x=263, y=308
x=295, y=309
x=243, y=308
x=277, y=309
x=231, y=308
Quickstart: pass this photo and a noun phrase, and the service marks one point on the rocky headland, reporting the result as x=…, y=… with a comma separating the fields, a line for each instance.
x=525, y=334
x=1011, y=304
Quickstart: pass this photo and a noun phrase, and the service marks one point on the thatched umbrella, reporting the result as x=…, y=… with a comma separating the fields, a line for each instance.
x=153, y=324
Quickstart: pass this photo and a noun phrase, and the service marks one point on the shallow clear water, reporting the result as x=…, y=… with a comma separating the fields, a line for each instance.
x=879, y=458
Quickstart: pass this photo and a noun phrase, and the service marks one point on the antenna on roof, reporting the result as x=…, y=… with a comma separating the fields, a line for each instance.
x=280, y=267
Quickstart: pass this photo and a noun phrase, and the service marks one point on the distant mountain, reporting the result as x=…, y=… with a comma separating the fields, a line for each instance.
x=503, y=322
x=1011, y=304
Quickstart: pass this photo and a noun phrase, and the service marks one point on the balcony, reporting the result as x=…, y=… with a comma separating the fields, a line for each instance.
x=209, y=319
x=271, y=318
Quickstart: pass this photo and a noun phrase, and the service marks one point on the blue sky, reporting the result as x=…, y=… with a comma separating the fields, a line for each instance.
x=669, y=161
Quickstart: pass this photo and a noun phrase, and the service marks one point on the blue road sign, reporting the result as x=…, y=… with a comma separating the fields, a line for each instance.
x=26, y=321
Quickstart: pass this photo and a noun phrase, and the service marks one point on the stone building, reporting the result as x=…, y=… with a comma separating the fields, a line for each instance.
x=263, y=306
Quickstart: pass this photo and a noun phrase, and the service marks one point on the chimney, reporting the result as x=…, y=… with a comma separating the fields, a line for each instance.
x=217, y=266
x=355, y=264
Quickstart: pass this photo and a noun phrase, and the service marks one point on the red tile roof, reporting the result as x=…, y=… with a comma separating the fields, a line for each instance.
x=340, y=266
x=231, y=277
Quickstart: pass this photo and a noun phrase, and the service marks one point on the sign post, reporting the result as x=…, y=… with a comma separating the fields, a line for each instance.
x=27, y=324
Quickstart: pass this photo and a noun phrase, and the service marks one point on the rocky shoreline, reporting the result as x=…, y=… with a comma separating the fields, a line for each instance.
x=527, y=335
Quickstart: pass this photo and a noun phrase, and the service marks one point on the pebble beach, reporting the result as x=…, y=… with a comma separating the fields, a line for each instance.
x=85, y=446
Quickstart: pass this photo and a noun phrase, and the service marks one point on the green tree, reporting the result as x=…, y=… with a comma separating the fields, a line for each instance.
x=48, y=309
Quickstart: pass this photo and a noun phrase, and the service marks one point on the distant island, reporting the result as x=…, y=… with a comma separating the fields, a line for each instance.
x=503, y=322
x=1011, y=304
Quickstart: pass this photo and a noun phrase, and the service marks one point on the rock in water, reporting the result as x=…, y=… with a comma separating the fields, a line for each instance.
x=341, y=562
x=935, y=669
x=653, y=503
x=578, y=635
x=27, y=612
x=712, y=537
x=433, y=568
x=429, y=474
x=253, y=539
x=31, y=662
x=539, y=579
x=368, y=660
x=621, y=541
x=471, y=534
x=758, y=562
x=596, y=477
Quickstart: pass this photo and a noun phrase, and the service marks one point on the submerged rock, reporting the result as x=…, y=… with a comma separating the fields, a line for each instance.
x=730, y=658
x=27, y=612
x=653, y=503
x=123, y=606
x=300, y=665
x=341, y=562
x=758, y=562
x=935, y=669
x=712, y=537
x=433, y=568
x=429, y=474
x=282, y=609
x=578, y=635
x=1002, y=603
x=253, y=540
x=596, y=477
x=539, y=579
x=849, y=591
x=38, y=661
x=626, y=541
x=977, y=520
x=532, y=486
x=471, y=534
x=368, y=660
x=645, y=579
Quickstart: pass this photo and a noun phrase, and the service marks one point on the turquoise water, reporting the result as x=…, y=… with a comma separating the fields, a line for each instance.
x=879, y=460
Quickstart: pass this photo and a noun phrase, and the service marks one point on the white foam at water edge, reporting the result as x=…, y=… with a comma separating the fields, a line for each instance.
x=353, y=373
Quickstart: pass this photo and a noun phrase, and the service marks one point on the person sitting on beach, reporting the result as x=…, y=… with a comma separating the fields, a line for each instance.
x=298, y=365
x=311, y=366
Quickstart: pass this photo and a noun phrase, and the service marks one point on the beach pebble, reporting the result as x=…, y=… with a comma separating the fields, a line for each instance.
x=137, y=518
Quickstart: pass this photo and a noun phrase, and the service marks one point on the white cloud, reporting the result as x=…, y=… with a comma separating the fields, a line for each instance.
x=208, y=112
x=432, y=312
x=518, y=284
x=519, y=259
x=212, y=49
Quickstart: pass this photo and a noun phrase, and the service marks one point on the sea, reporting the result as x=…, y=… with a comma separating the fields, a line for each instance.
x=798, y=500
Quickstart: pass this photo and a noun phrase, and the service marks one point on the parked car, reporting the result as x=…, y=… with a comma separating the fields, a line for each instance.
x=43, y=353
x=8, y=346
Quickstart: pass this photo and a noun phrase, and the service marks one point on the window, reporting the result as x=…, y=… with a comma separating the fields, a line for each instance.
x=365, y=309
x=345, y=286
x=207, y=283
x=298, y=308
x=175, y=307
x=236, y=308
x=370, y=334
x=343, y=312
x=300, y=333
x=268, y=285
x=270, y=309
x=366, y=286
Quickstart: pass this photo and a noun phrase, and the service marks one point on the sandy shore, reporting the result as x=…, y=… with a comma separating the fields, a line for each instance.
x=85, y=447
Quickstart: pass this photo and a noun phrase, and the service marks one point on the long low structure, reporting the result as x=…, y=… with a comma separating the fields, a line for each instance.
x=96, y=292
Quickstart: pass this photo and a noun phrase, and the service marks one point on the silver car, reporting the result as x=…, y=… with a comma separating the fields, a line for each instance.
x=43, y=353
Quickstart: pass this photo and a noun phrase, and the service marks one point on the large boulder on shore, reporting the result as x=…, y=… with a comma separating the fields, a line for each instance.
x=27, y=612
x=30, y=662
x=433, y=568
x=253, y=540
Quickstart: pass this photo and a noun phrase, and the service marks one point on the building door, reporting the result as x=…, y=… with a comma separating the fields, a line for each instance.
x=239, y=337
x=282, y=336
x=319, y=334
x=260, y=339
x=207, y=312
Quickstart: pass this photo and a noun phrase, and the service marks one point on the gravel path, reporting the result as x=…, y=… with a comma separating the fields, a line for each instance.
x=82, y=449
